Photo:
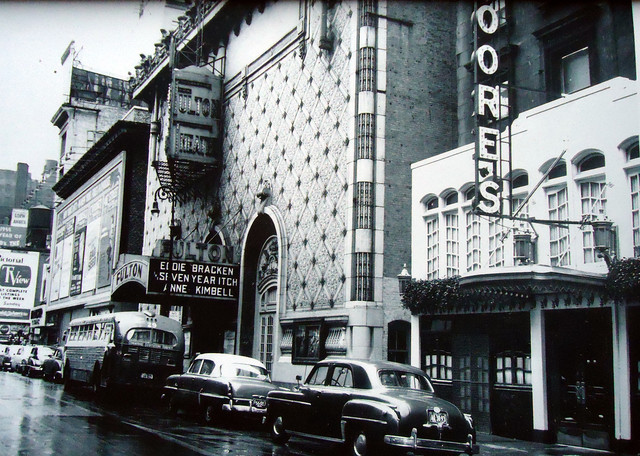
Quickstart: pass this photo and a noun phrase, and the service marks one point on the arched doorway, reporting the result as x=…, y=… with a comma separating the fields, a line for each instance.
x=259, y=290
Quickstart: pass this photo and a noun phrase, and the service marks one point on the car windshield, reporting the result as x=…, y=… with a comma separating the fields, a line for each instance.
x=244, y=370
x=403, y=379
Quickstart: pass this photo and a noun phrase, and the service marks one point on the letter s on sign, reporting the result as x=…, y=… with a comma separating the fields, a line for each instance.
x=488, y=191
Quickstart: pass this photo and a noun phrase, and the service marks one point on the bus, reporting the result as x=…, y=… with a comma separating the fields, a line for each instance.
x=134, y=349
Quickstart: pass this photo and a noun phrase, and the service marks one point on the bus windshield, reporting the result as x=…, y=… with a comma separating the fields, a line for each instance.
x=140, y=336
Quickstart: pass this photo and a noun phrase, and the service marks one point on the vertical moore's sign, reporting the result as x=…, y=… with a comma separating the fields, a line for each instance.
x=196, y=95
x=490, y=101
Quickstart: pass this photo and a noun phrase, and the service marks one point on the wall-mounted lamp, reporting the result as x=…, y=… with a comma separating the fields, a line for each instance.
x=404, y=279
x=523, y=247
x=175, y=230
x=155, y=209
x=604, y=238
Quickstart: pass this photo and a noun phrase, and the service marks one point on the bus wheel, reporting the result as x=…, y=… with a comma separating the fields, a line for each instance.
x=66, y=378
x=96, y=379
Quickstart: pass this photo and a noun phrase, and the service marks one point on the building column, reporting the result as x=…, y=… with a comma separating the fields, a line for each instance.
x=414, y=350
x=621, y=373
x=539, y=375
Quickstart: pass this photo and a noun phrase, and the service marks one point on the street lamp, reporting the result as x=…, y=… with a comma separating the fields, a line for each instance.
x=604, y=239
x=404, y=279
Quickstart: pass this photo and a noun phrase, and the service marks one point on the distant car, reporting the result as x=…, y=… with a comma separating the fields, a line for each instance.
x=19, y=358
x=9, y=352
x=371, y=407
x=33, y=366
x=215, y=383
x=52, y=366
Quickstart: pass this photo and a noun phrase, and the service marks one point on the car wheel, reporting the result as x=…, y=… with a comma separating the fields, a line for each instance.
x=279, y=433
x=210, y=414
x=360, y=444
x=171, y=407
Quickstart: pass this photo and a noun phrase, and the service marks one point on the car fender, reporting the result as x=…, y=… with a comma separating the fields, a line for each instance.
x=375, y=416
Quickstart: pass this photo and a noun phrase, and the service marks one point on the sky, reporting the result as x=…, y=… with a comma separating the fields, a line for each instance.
x=110, y=36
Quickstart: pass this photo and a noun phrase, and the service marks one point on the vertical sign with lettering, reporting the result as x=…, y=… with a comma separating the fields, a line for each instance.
x=491, y=108
x=195, y=115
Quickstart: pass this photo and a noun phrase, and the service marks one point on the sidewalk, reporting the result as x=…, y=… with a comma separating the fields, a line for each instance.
x=495, y=445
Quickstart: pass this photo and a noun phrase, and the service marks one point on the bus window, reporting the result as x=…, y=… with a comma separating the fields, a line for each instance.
x=108, y=332
x=139, y=335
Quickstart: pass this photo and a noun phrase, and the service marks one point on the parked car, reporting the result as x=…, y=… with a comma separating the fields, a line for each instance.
x=19, y=360
x=216, y=383
x=9, y=353
x=52, y=366
x=371, y=407
x=33, y=366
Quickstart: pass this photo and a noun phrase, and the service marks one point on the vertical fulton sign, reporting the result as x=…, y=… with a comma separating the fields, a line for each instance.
x=489, y=110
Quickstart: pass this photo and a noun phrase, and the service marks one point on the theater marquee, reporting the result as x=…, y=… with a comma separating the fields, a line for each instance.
x=193, y=279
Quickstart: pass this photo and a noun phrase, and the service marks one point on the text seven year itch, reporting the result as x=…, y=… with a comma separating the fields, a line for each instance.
x=198, y=279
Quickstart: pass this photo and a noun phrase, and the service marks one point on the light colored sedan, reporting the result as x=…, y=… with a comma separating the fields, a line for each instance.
x=216, y=383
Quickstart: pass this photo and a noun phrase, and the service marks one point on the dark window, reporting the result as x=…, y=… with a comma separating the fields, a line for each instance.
x=570, y=52
x=558, y=171
x=432, y=203
x=470, y=194
x=520, y=181
x=398, y=343
x=594, y=161
x=633, y=152
x=451, y=198
x=308, y=345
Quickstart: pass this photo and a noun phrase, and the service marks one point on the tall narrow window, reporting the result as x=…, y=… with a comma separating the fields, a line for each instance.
x=496, y=244
x=267, y=297
x=367, y=69
x=364, y=277
x=473, y=241
x=364, y=205
x=366, y=135
x=451, y=235
x=635, y=212
x=592, y=197
x=559, y=236
x=432, y=248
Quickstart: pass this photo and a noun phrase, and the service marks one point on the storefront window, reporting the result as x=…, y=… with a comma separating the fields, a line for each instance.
x=439, y=366
x=513, y=369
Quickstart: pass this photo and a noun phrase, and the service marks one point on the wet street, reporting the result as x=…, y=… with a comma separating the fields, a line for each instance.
x=39, y=418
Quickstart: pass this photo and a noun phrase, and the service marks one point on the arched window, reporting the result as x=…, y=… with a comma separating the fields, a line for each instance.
x=431, y=203
x=593, y=161
x=559, y=170
x=520, y=181
x=451, y=198
x=470, y=194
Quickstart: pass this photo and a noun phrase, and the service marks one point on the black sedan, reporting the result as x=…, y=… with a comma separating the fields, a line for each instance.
x=370, y=406
x=217, y=383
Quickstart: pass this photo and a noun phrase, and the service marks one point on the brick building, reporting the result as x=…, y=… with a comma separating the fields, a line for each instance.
x=324, y=106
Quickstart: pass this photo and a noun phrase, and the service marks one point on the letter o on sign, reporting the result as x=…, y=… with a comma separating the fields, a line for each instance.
x=487, y=19
x=4, y=329
x=488, y=66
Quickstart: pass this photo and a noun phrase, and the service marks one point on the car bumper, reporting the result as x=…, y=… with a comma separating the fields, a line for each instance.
x=244, y=406
x=416, y=444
